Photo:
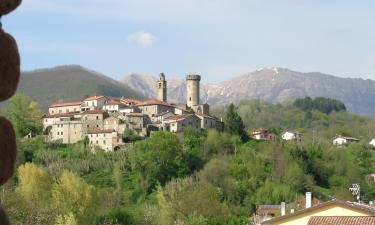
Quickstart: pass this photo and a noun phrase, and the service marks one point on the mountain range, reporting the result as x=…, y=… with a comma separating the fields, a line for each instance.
x=276, y=85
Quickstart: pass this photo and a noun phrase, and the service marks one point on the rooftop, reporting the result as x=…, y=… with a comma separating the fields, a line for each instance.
x=62, y=115
x=154, y=102
x=65, y=104
x=96, y=111
x=178, y=117
x=342, y=220
x=93, y=98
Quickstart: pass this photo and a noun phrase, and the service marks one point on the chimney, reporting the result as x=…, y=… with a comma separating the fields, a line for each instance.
x=308, y=200
x=283, y=209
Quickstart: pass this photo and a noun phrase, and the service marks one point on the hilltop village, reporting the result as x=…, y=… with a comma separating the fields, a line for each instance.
x=104, y=121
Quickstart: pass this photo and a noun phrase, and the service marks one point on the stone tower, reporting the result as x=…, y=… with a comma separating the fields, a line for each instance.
x=192, y=85
x=161, y=88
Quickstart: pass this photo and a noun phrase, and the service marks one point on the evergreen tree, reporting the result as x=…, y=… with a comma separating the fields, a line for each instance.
x=234, y=124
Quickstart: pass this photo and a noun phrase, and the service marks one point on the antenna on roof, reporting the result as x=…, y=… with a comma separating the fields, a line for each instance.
x=356, y=191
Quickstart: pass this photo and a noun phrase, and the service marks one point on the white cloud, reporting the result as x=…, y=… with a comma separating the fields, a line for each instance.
x=142, y=38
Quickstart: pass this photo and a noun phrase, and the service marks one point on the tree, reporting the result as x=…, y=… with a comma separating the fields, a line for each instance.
x=25, y=115
x=233, y=123
x=72, y=195
x=34, y=184
x=158, y=159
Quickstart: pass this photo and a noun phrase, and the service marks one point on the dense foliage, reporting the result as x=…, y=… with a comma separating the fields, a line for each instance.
x=324, y=105
x=194, y=178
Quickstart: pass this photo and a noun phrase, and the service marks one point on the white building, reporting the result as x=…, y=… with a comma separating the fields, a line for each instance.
x=263, y=135
x=342, y=140
x=114, y=105
x=94, y=102
x=289, y=136
x=372, y=143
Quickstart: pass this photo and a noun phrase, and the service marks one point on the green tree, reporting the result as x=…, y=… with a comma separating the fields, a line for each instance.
x=72, y=195
x=233, y=123
x=34, y=184
x=158, y=159
x=25, y=115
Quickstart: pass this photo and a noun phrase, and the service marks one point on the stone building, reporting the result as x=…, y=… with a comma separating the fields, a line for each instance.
x=108, y=140
x=193, y=95
x=64, y=128
x=94, y=119
x=137, y=122
x=178, y=123
x=153, y=107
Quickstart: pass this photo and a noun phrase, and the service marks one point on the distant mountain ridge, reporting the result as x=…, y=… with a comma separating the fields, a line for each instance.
x=274, y=85
x=70, y=83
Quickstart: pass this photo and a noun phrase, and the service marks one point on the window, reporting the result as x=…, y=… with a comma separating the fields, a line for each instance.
x=88, y=126
x=103, y=141
x=104, y=135
x=53, y=112
x=60, y=111
x=67, y=110
x=97, y=117
x=61, y=133
x=97, y=142
x=58, y=133
x=97, y=125
x=96, y=135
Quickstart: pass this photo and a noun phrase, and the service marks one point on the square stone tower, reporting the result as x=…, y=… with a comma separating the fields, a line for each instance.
x=161, y=88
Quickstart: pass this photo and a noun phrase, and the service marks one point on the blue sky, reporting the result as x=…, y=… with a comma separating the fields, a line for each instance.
x=218, y=39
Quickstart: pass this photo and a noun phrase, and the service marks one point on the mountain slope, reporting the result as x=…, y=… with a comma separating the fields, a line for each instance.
x=70, y=83
x=280, y=85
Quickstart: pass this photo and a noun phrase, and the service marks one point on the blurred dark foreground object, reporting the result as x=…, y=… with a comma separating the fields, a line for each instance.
x=7, y=6
x=9, y=78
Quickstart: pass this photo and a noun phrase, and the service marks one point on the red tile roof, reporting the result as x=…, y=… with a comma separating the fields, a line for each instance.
x=342, y=220
x=113, y=101
x=178, y=117
x=92, y=98
x=64, y=104
x=97, y=131
x=154, y=102
x=130, y=100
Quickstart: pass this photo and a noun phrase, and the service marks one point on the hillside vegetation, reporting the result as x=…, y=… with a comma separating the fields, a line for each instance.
x=70, y=83
x=193, y=178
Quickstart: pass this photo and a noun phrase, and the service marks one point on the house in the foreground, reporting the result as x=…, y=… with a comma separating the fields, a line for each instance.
x=292, y=136
x=342, y=140
x=333, y=212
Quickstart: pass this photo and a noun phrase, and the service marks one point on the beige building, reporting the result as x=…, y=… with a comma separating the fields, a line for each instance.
x=64, y=128
x=67, y=107
x=114, y=123
x=263, y=135
x=178, y=123
x=108, y=140
x=334, y=208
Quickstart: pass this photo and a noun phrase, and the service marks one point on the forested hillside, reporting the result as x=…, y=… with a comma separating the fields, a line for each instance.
x=193, y=178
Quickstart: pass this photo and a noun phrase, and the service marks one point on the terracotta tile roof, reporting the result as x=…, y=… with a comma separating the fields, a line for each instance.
x=64, y=104
x=178, y=117
x=113, y=101
x=154, y=102
x=92, y=98
x=206, y=116
x=162, y=114
x=130, y=100
x=97, y=131
x=62, y=115
x=96, y=111
x=342, y=220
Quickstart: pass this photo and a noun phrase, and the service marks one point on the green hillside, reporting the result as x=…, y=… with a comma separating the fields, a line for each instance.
x=70, y=83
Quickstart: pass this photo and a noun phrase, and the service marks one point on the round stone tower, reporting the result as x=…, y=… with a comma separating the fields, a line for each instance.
x=161, y=88
x=192, y=86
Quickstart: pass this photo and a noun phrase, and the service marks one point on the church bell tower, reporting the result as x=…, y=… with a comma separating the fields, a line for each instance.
x=161, y=88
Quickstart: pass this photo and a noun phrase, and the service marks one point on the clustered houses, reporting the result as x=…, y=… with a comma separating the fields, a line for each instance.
x=104, y=121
